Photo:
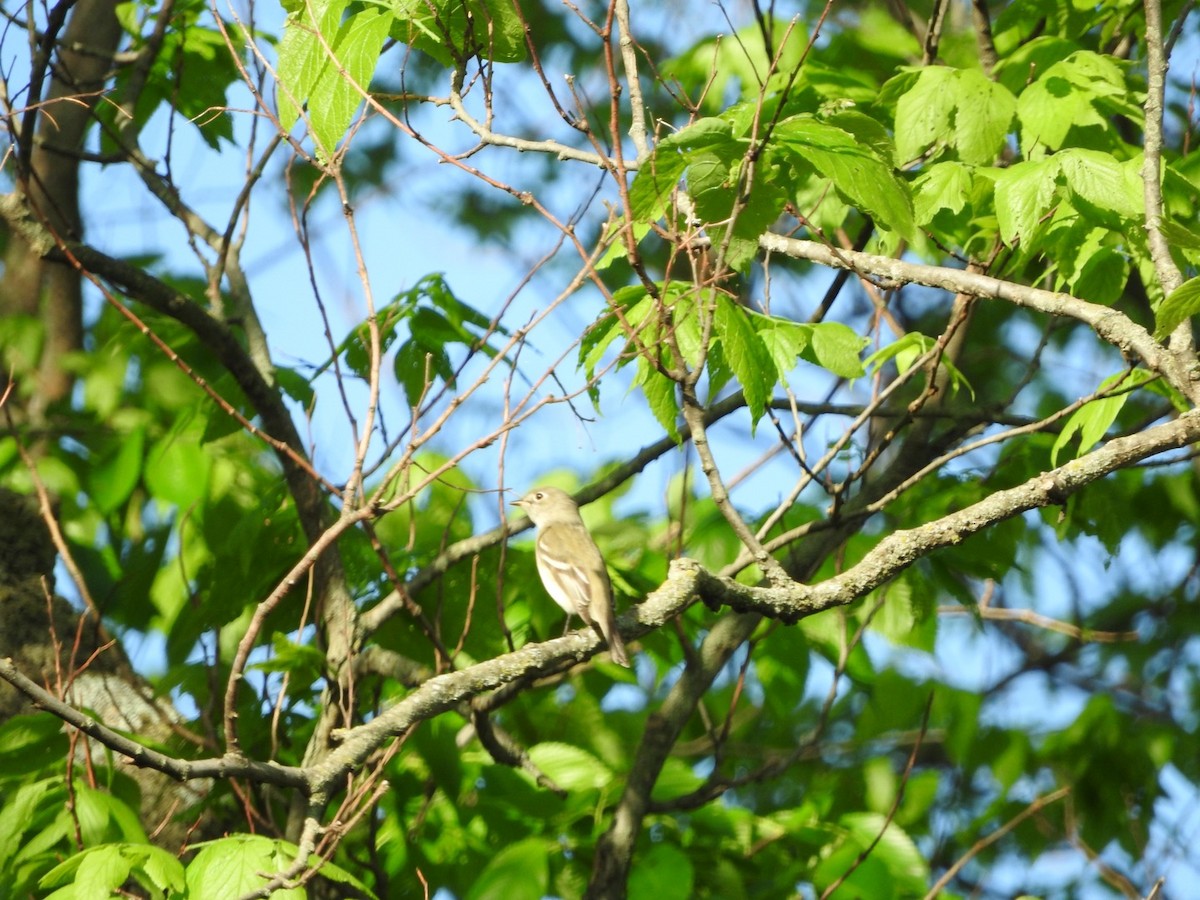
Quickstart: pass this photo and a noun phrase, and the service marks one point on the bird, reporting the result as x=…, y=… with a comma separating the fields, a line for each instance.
x=571, y=566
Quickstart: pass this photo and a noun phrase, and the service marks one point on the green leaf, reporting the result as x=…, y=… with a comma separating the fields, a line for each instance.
x=895, y=849
x=707, y=132
x=296, y=386
x=635, y=304
x=103, y=869
x=959, y=109
x=746, y=354
x=1080, y=91
x=836, y=348
x=339, y=89
x=98, y=870
x=302, y=54
x=944, y=185
x=27, y=742
x=1178, y=235
x=907, y=349
x=21, y=341
x=238, y=865
x=785, y=340
x=452, y=31
x=304, y=661
x=1103, y=276
x=925, y=112
x=663, y=873
x=660, y=395
x=1181, y=305
x=854, y=168
x=158, y=867
x=1023, y=195
x=572, y=768
x=983, y=114
x=617, y=247
x=520, y=871
x=113, y=478
x=327, y=63
x=657, y=177
x=177, y=469
x=1092, y=420
x=1104, y=182
x=20, y=810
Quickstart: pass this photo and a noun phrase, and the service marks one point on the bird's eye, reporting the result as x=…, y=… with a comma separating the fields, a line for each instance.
x=539, y=496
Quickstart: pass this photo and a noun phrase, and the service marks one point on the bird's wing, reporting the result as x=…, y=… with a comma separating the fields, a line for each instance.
x=576, y=568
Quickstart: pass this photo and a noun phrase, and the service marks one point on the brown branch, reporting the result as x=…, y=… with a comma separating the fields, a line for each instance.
x=1036, y=806
x=985, y=45
x=899, y=550
x=1165, y=269
x=891, y=814
x=228, y=766
x=693, y=414
x=1037, y=620
x=1109, y=324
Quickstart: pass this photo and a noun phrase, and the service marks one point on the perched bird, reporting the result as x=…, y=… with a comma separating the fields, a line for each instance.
x=570, y=564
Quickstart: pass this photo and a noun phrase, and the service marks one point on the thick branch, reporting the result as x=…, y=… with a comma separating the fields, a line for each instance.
x=901, y=549
x=228, y=766
x=445, y=692
x=1165, y=269
x=1112, y=326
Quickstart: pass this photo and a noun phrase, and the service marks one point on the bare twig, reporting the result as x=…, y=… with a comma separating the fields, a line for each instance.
x=1036, y=806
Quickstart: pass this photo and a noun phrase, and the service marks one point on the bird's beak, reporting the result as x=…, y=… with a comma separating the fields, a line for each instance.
x=516, y=503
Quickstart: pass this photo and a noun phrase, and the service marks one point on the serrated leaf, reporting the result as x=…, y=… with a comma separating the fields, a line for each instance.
x=1180, y=235
x=944, y=185
x=339, y=88
x=1103, y=181
x=450, y=31
x=925, y=112
x=296, y=386
x=983, y=114
x=713, y=180
x=302, y=660
x=786, y=341
x=1103, y=276
x=572, y=768
x=617, y=246
x=1181, y=305
x=635, y=305
x=237, y=865
x=665, y=873
x=177, y=470
x=661, y=397
x=1023, y=195
x=1077, y=92
x=854, y=168
x=18, y=814
x=653, y=183
x=103, y=870
x=706, y=132
x=892, y=846
x=519, y=871
x=746, y=354
x=1092, y=420
x=112, y=479
x=302, y=55
x=907, y=349
x=837, y=348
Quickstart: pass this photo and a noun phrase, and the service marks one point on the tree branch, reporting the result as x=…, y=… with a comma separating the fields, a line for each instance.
x=1110, y=325
x=901, y=549
x=228, y=766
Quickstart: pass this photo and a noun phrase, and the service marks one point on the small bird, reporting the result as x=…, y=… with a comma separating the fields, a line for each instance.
x=570, y=564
